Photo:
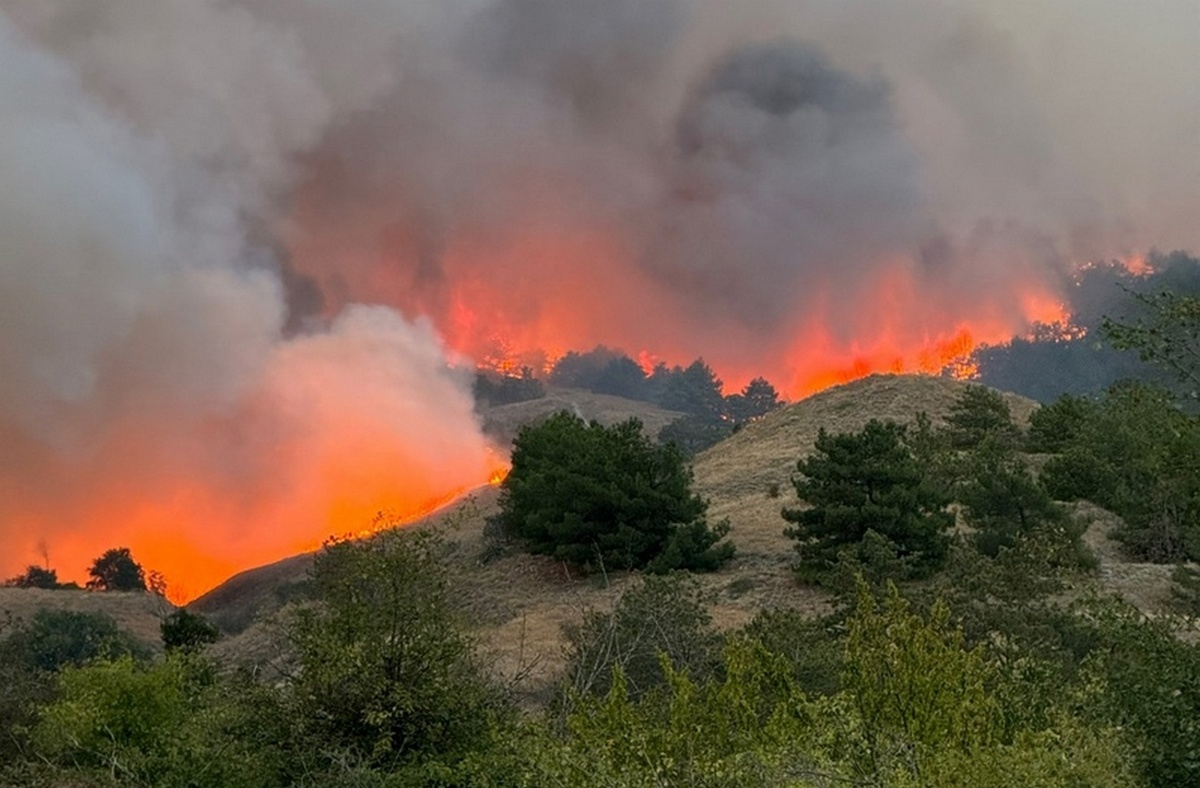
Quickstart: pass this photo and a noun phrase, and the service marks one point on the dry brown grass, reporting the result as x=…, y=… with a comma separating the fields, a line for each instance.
x=138, y=614
x=502, y=422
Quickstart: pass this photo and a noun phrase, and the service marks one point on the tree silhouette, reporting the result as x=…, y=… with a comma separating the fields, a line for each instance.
x=116, y=571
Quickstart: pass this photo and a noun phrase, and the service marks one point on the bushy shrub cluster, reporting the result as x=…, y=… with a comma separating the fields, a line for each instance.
x=607, y=497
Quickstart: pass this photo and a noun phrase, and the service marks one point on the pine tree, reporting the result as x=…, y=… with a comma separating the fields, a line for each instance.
x=867, y=481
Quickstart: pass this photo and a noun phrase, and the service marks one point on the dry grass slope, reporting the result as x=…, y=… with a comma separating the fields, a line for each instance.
x=520, y=603
x=138, y=614
x=502, y=422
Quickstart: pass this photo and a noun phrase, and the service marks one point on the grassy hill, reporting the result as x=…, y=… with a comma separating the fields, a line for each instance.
x=502, y=422
x=139, y=614
x=520, y=603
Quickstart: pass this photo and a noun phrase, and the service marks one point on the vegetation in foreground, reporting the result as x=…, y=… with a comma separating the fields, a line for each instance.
x=940, y=684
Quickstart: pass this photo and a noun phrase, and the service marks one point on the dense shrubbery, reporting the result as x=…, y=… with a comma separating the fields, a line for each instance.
x=598, y=496
x=875, y=502
x=1135, y=453
x=388, y=691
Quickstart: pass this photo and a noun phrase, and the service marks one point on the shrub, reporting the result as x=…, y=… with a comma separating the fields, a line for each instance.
x=980, y=413
x=185, y=631
x=54, y=639
x=387, y=673
x=693, y=434
x=600, y=496
x=36, y=577
x=659, y=616
x=1054, y=427
x=1003, y=501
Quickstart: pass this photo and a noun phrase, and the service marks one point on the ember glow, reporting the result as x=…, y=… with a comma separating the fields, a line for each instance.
x=248, y=249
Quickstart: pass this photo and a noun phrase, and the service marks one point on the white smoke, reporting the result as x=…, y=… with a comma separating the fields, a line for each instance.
x=148, y=394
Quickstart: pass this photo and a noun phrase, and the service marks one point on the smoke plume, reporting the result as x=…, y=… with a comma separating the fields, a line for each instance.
x=246, y=243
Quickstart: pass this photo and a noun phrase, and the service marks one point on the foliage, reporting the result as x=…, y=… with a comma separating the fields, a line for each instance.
x=603, y=371
x=116, y=571
x=1167, y=335
x=1148, y=681
x=980, y=414
x=1004, y=503
x=1054, y=427
x=695, y=389
x=693, y=434
x=166, y=724
x=1136, y=456
x=54, y=639
x=756, y=400
x=864, y=481
x=497, y=389
x=811, y=648
x=36, y=577
x=661, y=620
x=914, y=682
x=386, y=672
x=600, y=496
x=186, y=631
x=1185, y=589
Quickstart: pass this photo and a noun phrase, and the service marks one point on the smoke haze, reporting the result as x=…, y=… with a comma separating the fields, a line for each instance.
x=245, y=244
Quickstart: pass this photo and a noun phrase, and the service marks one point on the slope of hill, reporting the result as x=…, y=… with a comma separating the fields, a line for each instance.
x=139, y=614
x=742, y=474
x=502, y=422
x=520, y=603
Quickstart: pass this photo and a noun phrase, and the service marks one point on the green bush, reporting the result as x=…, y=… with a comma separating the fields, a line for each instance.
x=660, y=617
x=980, y=413
x=387, y=672
x=54, y=639
x=811, y=647
x=185, y=631
x=693, y=434
x=867, y=481
x=1004, y=503
x=1054, y=427
x=607, y=497
x=167, y=724
x=1136, y=456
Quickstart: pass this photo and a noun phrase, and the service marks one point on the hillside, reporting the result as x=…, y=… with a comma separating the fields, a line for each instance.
x=520, y=603
x=138, y=614
x=502, y=422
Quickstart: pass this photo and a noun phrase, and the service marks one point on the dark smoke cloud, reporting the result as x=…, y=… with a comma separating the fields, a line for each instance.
x=787, y=173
